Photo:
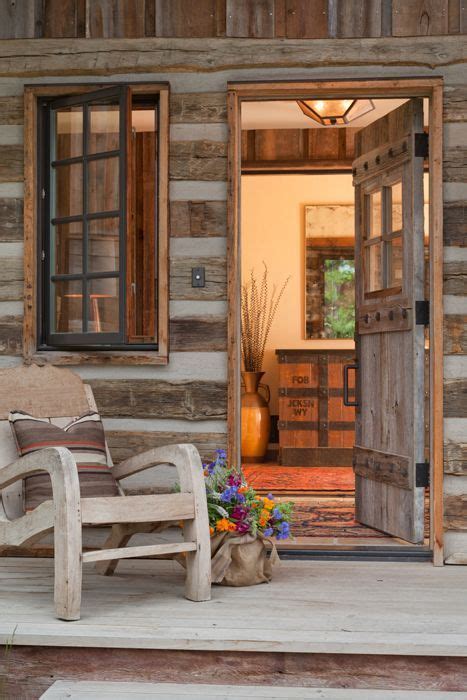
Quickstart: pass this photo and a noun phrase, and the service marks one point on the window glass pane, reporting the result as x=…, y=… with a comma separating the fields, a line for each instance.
x=374, y=214
x=67, y=190
x=142, y=253
x=104, y=128
x=67, y=301
x=103, y=311
x=68, y=132
x=103, y=244
x=373, y=280
x=394, y=257
x=396, y=207
x=339, y=298
x=103, y=185
x=67, y=248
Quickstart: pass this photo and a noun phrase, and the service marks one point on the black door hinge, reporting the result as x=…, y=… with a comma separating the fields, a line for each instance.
x=421, y=145
x=422, y=312
x=422, y=474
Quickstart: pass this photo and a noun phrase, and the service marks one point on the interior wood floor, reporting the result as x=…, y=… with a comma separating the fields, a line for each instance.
x=309, y=607
x=324, y=501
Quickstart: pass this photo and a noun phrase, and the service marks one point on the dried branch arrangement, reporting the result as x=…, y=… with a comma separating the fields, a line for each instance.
x=259, y=308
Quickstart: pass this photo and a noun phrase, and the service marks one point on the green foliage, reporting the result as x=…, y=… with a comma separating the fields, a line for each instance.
x=339, y=298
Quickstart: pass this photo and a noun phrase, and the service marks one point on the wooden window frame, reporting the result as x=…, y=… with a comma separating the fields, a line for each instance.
x=428, y=87
x=31, y=332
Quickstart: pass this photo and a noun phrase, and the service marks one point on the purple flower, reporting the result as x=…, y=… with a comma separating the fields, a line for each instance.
x=229, y=493
x=243, y=527
x=270, y=496
x=222, y=454
x=283, y=530
x=268, y=532
x=234, y=480
x=239, y=513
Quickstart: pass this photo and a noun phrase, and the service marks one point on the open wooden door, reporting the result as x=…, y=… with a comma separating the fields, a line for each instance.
x=389, y=452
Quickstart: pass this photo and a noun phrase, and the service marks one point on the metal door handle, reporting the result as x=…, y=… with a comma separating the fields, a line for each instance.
x=346, y=368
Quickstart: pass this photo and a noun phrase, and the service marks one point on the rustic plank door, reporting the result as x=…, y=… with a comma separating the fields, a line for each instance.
x=389, y=264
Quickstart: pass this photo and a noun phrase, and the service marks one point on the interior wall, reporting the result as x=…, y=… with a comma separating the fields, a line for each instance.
x=273, y=231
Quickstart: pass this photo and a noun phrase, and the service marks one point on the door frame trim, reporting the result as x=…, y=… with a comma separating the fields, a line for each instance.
x=431, y=88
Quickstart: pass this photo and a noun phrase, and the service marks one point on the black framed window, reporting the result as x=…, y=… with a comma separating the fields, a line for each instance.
x=98, y=198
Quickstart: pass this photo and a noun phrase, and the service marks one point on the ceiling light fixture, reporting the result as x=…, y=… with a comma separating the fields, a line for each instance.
x=335, y=112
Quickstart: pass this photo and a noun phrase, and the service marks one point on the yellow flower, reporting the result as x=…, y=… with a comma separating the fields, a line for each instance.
x=265, y=515
x=268, y=504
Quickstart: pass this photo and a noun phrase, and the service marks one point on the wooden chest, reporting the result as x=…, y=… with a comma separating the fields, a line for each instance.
x=315, y=428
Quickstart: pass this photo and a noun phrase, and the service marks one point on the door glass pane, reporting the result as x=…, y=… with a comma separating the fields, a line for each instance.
x=67, y=248
x=68, y=132
x=396, y=207
x=103, y=244
x=103, y=185
x=103, y=305
x=374, y=223
x=104, y=128
x=373, y=280
x=339, y=298
x=67, y=307
x=394, y=257
x=67, y=190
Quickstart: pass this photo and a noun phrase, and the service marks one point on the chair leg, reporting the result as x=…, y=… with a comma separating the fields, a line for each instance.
x=198, y=565
x=119, y=536
x=68, y=570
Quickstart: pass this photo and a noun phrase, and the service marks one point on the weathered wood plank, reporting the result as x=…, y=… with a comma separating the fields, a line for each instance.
x=198, y=160
x=11, y=163
x=455, y=278
x=419, y=17
x=180, y=278
x=111, y=19
x=11, y=110
x=455, y=103
x=455, y=334
x=455, y=457
x=11, y=279
x=198, y=334
x=198, y=218
x=125, y=443
x=193, y=108
x=455, y=224
x=11, y=219
x=64, y=18
x=455, y=512
x=144, y=398
x=183, y=18
x=11, y=335
x=358, y=18
x=454, y=160
x=455, y=398
x=301, y=19
x=20, y=19
x=250, y=18
x=382, y=467
x=93, y=56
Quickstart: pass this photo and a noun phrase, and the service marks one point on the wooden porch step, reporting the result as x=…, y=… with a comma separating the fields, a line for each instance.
x=90, y=690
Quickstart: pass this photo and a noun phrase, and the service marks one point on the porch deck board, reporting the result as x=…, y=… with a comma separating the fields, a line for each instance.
x=310, y=607
x=89, y=690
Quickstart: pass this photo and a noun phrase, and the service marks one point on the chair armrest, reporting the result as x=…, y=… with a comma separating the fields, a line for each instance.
x=57, y=461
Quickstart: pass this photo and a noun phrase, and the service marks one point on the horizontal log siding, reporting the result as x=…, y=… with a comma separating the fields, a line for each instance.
x=260, y=19
x=125, y=443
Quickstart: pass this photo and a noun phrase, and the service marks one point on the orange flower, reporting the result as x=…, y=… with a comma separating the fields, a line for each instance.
x=265, y=515
x=268, y=504
x=242, y=489
x=224, y=525
x=211, y=531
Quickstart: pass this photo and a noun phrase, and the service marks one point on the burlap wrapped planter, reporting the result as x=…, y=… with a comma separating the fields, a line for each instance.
x=241, y=560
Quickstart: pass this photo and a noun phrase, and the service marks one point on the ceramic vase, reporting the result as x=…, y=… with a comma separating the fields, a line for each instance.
x=256, y=418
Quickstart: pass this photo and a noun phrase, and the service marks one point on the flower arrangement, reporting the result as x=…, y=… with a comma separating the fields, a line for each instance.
x=233, y=506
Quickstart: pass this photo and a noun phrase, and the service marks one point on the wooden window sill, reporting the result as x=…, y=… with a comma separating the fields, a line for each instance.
x=97, y=357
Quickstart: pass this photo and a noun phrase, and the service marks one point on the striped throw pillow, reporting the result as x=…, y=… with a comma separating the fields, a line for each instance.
x=83, y=436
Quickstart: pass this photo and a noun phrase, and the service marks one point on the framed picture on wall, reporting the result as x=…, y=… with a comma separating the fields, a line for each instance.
x=329, y=271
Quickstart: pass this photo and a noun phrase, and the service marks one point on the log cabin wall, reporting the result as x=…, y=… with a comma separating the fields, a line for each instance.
x=287, y=39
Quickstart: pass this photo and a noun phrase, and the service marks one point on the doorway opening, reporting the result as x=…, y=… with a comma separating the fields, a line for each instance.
x=336, y=208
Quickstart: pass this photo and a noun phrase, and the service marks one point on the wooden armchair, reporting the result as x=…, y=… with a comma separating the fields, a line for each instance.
x=58, y=394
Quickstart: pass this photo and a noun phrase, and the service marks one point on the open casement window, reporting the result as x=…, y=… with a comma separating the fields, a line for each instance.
x=99, y=193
